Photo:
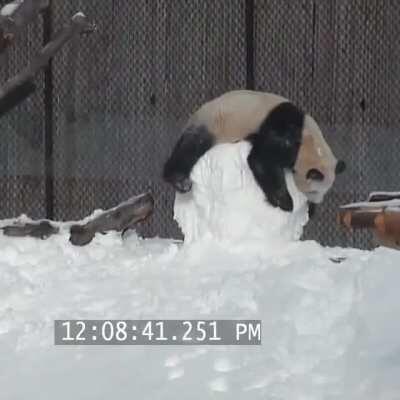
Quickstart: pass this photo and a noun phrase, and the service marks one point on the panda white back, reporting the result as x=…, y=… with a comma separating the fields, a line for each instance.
x=236, y=114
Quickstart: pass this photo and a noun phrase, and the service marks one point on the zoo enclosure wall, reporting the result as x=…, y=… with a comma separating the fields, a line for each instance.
x=112, y=104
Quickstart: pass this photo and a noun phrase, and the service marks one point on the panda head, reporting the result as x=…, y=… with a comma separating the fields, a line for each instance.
x=316, y=166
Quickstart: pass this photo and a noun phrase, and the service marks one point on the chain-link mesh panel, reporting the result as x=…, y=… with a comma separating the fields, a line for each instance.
x=122, y=94
x=355, y=48
x=338, y=86
x=283, y=47
x=22, y=162
x=339, y=60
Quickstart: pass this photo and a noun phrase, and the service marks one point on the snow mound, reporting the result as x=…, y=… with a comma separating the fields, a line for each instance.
x=227, y=206
x=330, y=330
x=329, y=316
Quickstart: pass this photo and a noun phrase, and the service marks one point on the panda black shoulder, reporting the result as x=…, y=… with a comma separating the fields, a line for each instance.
x=275, y=147
x=280, y=134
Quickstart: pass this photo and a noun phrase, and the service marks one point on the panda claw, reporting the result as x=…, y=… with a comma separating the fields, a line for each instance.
x=286, y=203
x=183, y=185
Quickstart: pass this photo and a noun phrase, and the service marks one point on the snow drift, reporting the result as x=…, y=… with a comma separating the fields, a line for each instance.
x=330, y=315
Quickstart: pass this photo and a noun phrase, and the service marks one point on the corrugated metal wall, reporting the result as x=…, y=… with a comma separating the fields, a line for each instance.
x=121, y=95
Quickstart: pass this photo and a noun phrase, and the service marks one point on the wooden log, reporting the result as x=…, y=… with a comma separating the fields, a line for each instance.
x=120, y=218
x=388, y=223
x=357, y=218
x=386, y=240
x=40, y=229
x=380, y=214
x=383, y=222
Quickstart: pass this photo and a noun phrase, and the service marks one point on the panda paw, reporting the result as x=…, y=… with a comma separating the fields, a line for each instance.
x=281, y=199
x=181, y=184
x=179, y=180
x=184, y=185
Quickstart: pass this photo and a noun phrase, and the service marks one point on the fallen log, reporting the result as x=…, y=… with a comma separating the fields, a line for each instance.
x=120, y=218
x=40, y=229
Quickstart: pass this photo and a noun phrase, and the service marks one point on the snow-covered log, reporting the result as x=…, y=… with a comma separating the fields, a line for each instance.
x=380, y=214
x=120, y=218
x=40, y=229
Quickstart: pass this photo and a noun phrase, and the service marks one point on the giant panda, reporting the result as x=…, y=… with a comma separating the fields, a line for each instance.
x=282, y=137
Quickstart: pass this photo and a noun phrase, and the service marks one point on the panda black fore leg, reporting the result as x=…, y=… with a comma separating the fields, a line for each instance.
x=271, y=178
x=194, y=142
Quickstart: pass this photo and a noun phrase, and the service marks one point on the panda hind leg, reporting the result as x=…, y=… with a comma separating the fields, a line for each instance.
x=271, y=178
x=194, y=142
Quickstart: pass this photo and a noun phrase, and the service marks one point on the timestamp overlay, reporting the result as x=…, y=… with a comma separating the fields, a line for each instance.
x=157, y=332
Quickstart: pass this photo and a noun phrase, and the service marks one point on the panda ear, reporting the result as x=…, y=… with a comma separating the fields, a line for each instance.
x=340, y=167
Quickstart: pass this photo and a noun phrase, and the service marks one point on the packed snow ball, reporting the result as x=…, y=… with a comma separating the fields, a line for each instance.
x=227, y=206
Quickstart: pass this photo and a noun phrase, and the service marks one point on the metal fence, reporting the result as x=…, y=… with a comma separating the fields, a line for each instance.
x=113, y=103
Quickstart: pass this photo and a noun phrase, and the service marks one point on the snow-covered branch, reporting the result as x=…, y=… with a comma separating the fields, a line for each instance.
x=14, y=16
x=21, y=85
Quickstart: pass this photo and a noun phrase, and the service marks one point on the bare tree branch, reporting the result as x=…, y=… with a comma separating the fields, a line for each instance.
x=15, y=16
x=21, y=85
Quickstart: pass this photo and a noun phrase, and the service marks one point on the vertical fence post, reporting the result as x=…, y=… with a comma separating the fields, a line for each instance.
x=48, y=124
x=250, y=84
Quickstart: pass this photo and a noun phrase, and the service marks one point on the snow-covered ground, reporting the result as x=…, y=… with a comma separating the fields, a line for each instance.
x=330, y=315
